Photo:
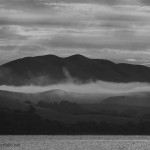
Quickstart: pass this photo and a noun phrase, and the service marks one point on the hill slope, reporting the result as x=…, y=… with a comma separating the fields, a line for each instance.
x=50, y=69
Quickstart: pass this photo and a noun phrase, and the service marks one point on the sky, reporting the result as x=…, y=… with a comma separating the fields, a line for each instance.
x=117, y=30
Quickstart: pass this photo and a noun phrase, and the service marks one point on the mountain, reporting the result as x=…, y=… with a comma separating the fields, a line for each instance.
x=137, y=102
x=77, y=103
x=58, y=95
x=64, y=107
x=51, y=69
x=142, y=100
x=66, y=118
x=63, y=111
x=50, y=113
x=55, y=95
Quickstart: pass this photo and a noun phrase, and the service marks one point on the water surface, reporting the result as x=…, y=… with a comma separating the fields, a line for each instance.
x=75, y=142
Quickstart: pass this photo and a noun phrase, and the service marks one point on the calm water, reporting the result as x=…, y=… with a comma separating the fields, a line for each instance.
x=74, y=143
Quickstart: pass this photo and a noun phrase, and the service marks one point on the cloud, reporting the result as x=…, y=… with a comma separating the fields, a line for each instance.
x=95, y=87
x=69, y=14
x=6, y=33
x=145, y=2
x=104, y=2
x=105, y=39
x=71, y=84
x=23, y=4
x=75, y=26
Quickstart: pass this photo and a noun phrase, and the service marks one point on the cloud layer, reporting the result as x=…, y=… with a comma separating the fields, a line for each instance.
x=91, y=87
x=112, y=29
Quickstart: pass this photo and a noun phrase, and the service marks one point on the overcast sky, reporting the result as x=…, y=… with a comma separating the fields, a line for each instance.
x=117, y=30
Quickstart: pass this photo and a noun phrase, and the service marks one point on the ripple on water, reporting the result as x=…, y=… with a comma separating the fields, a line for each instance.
x=75, y=142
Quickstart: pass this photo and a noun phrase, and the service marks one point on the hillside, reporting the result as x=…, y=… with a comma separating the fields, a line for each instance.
x=50, y=69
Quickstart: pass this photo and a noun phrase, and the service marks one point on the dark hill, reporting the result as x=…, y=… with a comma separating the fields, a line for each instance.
x=50, y=69
x=130, y=100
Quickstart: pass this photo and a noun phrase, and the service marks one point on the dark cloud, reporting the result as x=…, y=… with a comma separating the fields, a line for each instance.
x=108, y=2
x=7, y=48
x=145, y=2
x=23, y=4
x=24, y=48
x=119, y=41
x=104, y=2
x=105, y=24
x=100, y=20
x=7, y=34
x=40, y=4
x=45, y=21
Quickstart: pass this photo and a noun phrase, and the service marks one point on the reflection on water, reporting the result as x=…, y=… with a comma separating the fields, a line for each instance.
x=75, y=142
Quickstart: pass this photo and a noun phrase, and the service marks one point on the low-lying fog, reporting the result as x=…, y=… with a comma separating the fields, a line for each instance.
x=93, y=87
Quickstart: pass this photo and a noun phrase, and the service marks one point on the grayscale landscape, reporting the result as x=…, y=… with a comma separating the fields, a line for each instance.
x=75, y=68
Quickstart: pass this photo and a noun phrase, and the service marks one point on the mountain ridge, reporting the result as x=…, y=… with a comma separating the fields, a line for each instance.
x=49, y=70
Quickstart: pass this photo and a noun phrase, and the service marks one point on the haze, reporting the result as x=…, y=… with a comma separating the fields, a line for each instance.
x=97, y=87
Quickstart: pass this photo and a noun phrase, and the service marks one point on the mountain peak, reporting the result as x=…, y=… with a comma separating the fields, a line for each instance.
x=49, y=69
x=77, y=56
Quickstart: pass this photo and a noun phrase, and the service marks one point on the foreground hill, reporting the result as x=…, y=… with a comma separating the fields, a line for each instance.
x=55, y=95
x=78, y=103
x=22, y=113
x=50, y=69
x=63, y=111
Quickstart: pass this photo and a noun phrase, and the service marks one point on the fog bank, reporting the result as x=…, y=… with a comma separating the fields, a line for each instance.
x=93, y=87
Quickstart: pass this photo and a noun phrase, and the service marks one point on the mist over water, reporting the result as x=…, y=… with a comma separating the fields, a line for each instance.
x=91, y=87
